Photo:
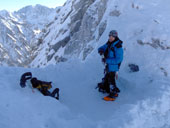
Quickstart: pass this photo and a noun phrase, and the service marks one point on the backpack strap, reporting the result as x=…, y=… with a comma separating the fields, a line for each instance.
x=114, y=44
x=112, y=47
x=118, y=44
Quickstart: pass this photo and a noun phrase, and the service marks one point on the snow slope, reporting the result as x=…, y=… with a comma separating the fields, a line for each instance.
x=143, y=101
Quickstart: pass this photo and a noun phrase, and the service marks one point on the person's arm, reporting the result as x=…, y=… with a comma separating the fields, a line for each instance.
x=32, y=89
x=30, y=85
x=102, y=49
x=118, y=59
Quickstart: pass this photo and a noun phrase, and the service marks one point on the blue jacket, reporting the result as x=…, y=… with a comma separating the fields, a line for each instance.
x=113, y=54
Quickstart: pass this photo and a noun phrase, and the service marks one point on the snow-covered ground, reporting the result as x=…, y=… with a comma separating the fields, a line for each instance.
x=143, y=101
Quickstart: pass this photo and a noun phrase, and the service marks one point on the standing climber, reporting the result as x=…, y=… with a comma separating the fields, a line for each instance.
x=113, y=56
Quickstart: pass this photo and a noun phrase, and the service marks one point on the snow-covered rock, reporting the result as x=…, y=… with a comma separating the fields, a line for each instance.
x=18, y=33
x=72, y=32
x=36, y=16
x=82, y=26
x=14, y=47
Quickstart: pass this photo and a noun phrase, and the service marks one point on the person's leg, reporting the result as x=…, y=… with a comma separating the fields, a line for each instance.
x=106, y=83
x=55, y=92
x=45, y=92
x=112, y=81
x=48, y=93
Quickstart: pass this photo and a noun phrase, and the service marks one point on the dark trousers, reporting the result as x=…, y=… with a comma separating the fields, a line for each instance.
x=45, y=92
x=110, y=81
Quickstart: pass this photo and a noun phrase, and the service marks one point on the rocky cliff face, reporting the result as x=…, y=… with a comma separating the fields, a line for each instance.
x=73, y=32
x=14, y=48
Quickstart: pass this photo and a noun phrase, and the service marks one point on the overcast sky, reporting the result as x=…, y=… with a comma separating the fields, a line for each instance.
x=14, y=5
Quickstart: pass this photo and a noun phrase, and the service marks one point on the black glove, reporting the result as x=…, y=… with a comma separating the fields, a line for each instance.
x=100, y=52
x=103, y=60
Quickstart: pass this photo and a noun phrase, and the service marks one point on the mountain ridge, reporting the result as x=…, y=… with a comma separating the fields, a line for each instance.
x=18, y=37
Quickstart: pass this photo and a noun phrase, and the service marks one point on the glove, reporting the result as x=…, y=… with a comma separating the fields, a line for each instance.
x=103, y=60
x=100, y=52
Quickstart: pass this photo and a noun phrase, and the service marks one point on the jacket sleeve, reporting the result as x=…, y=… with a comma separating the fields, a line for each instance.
x=118, y=59
x=102, y=48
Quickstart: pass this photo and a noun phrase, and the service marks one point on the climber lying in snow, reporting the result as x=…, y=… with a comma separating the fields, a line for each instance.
x=42, y=86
